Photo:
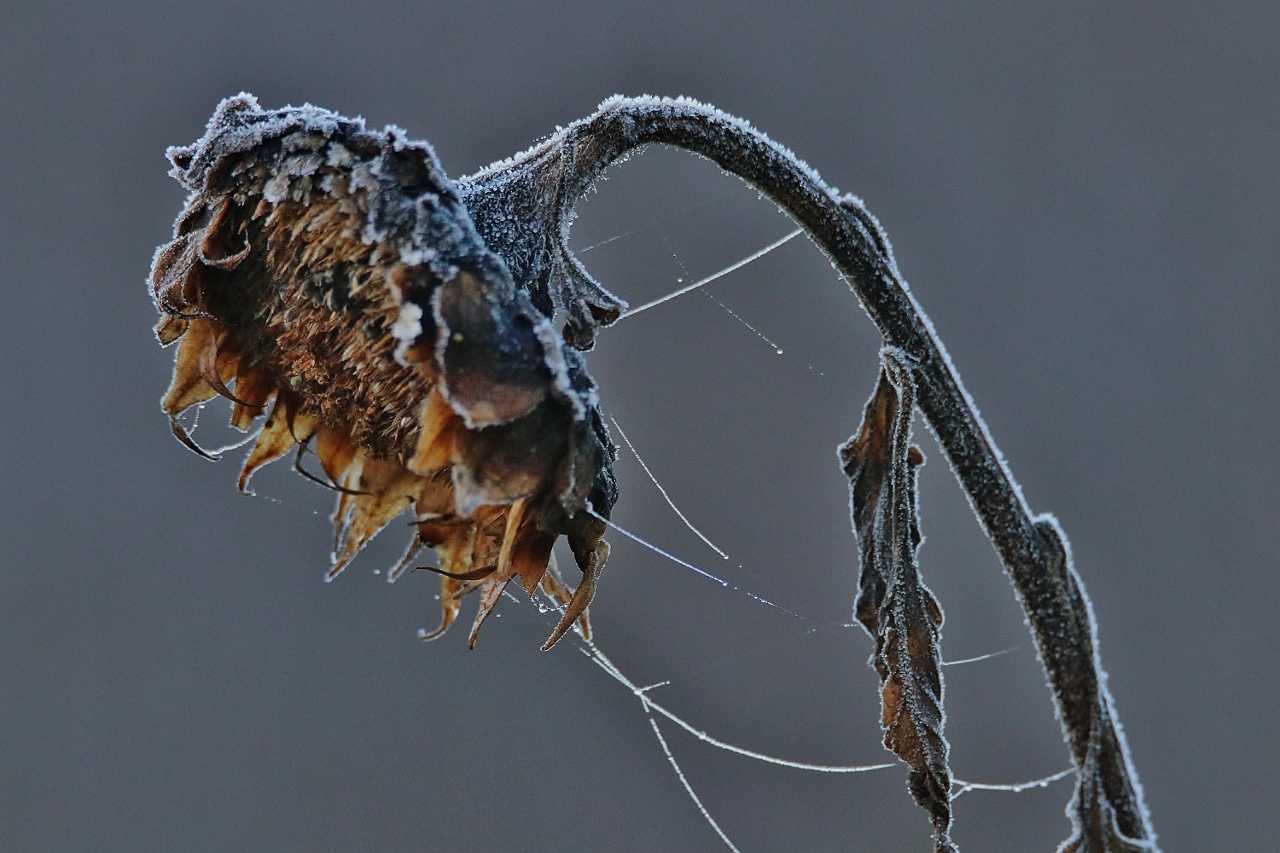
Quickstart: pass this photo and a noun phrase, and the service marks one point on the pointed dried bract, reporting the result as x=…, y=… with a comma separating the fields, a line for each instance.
x=554, y=586
x=276, y=438
x=894, y=605
x=338, y=272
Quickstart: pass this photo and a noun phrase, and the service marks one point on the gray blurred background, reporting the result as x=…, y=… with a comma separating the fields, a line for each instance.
x=1083, y=197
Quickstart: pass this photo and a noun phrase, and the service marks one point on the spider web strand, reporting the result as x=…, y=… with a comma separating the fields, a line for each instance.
x=735, y=315
x=666, y=750
x=987, y=656
x=1017, y=788
x=687, y=523
x=721, y=274
x=655, y=549
x=601, y=660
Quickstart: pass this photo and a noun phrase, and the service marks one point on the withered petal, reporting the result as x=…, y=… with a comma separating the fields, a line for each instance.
x=553, y=585
x=583, y=594
x=449, y=606
x=189, y=386
x=170, y=328
x=490, y=595
x=435, y=447
x=336, y=451
x=254, y=389
x=391, y=493
x=275, y=440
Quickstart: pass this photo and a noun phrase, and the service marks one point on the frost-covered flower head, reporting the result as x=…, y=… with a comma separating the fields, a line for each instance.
x=333, y=280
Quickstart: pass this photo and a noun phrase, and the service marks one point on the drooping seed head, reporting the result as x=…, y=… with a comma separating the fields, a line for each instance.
x=332, y=280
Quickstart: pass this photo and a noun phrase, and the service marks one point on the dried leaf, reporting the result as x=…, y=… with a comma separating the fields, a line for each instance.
x=894, y=605
x=590, y=550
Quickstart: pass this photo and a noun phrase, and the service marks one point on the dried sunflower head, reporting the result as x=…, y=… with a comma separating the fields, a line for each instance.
x=332, y=279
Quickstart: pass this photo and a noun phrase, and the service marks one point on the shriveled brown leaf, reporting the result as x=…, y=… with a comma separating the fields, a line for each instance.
x=894, y=605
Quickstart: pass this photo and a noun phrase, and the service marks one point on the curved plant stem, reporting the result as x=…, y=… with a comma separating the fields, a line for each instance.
x=1107, y=810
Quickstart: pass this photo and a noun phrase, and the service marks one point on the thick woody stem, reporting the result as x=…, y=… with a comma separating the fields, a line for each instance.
x=1032, y=548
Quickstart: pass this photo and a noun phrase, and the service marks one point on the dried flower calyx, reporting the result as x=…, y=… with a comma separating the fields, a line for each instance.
x=331, y=278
